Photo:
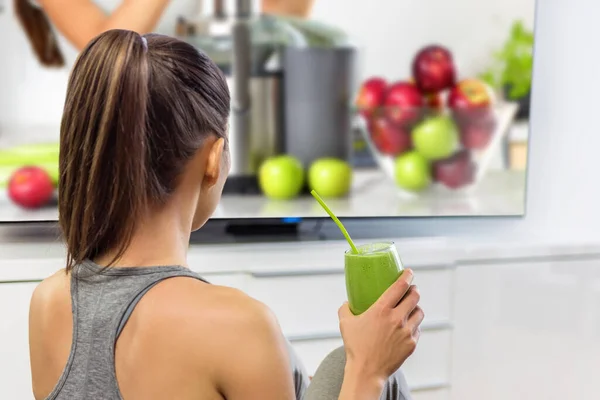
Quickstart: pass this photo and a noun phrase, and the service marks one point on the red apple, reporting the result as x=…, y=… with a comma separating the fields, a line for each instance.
x=30, y=187
x=456, y=171
x=371, y=96
x=389, y=138
x=434, y=101
x=476, y=134
x=403, y=103
x=433, y=69
x=470, y=99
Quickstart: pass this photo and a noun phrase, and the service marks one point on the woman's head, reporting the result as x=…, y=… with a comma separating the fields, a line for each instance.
x=39, y=32
x=144, y=128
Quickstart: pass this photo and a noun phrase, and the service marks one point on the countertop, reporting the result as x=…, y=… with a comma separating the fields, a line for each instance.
x=373, y=195
x=32, y=260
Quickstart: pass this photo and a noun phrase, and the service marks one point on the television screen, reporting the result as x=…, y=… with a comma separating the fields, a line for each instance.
x=398, y=109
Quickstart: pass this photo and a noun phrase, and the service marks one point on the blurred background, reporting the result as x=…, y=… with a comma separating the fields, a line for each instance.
x=487, y=42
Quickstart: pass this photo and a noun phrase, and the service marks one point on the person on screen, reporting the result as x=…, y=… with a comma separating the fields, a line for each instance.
x=78, y=21
x=143, y=159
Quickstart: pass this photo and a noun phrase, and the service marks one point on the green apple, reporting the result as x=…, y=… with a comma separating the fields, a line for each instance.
x=436, y=138
x=412, y=171
x=281, y=177
x=330, y=177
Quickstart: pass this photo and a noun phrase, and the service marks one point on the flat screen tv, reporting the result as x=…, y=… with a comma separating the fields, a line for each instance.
x=424, y=113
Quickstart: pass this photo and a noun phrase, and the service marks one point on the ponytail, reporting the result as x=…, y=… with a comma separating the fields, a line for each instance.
x=103, y=137
x=39, y=32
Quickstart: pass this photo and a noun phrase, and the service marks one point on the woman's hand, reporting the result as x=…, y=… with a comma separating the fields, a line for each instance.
x=290, y=8
x=378, y=341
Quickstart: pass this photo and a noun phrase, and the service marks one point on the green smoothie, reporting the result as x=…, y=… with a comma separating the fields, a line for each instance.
x=369, y=273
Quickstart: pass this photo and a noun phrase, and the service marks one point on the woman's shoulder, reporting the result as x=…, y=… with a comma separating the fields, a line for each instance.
x=180, y=312
x=216, y=312
x=54, y=288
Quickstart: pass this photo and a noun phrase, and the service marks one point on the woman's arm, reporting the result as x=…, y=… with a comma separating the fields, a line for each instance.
x=82, y=20
x=292, y=8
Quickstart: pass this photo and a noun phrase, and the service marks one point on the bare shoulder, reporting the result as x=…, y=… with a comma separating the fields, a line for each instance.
x=243, y=351
x=202, y=304
x=51, y=290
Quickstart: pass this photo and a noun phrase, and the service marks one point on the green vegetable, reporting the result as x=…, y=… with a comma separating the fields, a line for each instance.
x=513, y=63
x=32, y=154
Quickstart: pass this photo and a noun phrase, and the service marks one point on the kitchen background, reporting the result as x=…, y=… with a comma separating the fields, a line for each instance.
x=487, y=40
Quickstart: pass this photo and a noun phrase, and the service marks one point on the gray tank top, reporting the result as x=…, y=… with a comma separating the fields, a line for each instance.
x=102, y=302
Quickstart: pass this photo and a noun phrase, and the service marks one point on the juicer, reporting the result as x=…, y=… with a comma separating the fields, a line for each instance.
x=291, y=83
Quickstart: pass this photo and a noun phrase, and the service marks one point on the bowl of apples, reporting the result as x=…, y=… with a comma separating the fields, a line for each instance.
x=432, y=132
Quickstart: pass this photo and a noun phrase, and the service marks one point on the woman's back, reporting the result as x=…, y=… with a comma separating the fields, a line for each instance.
x=174, y=342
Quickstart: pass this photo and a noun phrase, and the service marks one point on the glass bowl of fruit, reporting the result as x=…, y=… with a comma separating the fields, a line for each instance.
x=432, y=132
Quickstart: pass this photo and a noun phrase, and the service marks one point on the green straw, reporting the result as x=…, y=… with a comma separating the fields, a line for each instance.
x=336, y=220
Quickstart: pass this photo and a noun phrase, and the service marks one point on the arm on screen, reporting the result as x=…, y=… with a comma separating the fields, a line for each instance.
x=82, y=20
x=292, y=8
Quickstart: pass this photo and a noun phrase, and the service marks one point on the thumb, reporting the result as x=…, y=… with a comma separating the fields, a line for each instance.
x=344, y=311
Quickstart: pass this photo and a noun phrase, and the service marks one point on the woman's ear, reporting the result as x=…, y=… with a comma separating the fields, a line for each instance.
x=214, y=165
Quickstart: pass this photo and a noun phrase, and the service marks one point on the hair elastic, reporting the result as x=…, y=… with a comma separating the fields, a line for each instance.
x=145, y=43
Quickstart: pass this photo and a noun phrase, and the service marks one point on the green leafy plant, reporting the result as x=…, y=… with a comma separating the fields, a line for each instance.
x=513, y=63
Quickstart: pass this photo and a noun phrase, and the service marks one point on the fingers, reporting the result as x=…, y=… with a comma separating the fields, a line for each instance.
x=409, y=302
x=392, y=296
x=415, y=319
x=344, y=311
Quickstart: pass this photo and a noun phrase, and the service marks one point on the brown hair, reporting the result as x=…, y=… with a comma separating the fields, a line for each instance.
x=137, y=109
x=39, y=32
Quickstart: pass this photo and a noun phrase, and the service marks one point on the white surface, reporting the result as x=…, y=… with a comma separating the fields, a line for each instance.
x=373, y=195
x=527, y=331
x=14, y=346
x=26, y=260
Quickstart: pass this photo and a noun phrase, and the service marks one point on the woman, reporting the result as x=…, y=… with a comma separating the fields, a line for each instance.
x=81, y=20
x=143, y=160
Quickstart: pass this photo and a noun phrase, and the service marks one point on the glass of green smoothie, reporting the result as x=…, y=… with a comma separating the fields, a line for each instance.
x=369, y=272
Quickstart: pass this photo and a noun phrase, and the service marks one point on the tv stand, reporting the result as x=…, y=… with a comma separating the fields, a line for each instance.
x=273, y=228
x=258, y=230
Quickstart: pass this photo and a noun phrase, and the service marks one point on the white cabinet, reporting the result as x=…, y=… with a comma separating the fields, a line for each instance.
x=306, y=303
x=431, y=394
x=527, y=330
x=15, y=375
